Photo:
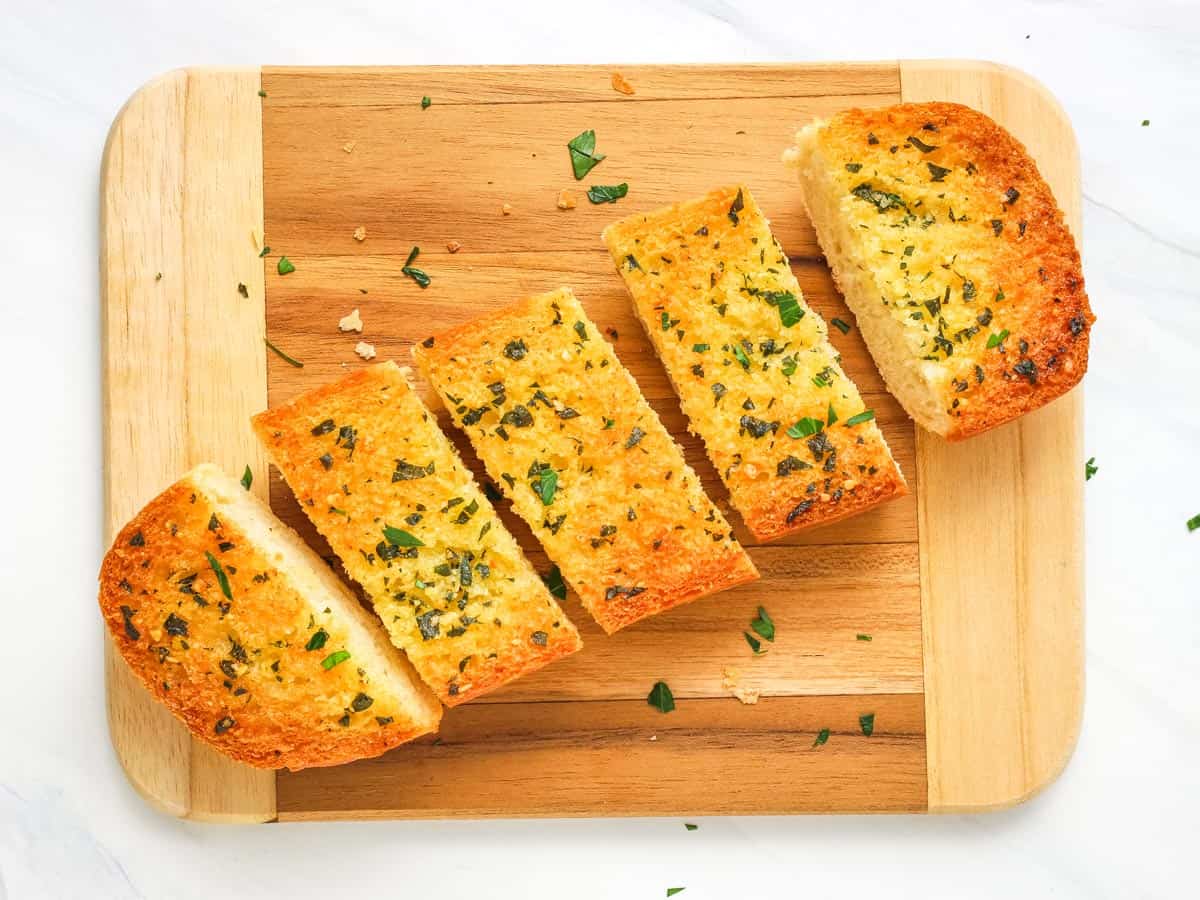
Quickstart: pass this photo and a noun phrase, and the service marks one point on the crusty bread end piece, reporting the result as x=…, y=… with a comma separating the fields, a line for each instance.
x=950, y=249
x=369, y=465
x=245, y=634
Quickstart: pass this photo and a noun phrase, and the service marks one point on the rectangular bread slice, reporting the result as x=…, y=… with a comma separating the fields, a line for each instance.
x=752, y=364
x=949, y=247
x=565, y=432
x=245, y=634
x=375, y=474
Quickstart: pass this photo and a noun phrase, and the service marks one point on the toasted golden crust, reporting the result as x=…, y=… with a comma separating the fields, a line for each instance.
x=565, y=432
x=749, y=360
x=236, y=667
x=363, y=454
x=939, y=227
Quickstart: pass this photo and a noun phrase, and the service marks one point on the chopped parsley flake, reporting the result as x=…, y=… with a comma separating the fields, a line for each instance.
x=247, y=478
x=763, y=625
x=554, y=582
x=607, y=193
x=822, y=737
x=285, y=266
x=661, y=698
x=1089, y=469
x=398, y=537
x=584, y=157
x=317, y=641
x=863, y=637
x=222, y=578
x=996, y=339
x=1193, y=523
x=840, y=325
x=287, y=359
x=545, y=484
x=806, y=427
x=334, y=658
x=867, y=723
x=755, y=643
x=865, y=416
x=425, y=102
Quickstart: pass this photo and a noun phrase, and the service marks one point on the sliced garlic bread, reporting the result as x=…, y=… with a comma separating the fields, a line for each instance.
x=564, y=430
x=752, y=364
x=375, y=474
x=950, y=249
x=244, y=633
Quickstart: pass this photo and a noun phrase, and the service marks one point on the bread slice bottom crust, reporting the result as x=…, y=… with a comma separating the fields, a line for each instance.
x=251, y=659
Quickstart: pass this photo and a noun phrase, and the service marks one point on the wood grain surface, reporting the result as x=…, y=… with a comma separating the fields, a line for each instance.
x=343, y=149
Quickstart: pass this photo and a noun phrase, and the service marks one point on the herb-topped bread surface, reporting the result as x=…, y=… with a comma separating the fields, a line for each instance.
x=384, y=485
x=950, y=249
x=245, y=634
x=564, y=430
x=785, y=427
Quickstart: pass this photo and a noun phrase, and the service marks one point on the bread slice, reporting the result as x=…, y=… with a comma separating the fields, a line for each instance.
x=752, y=364
x=373, y=471
x=565, y=432
x=244, y=633
x=950, y=250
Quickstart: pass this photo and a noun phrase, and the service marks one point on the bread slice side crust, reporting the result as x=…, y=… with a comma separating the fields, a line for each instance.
x=465, y=604
x=637, y=535
x=706, y=277
x=259, y=673
x=950, y=249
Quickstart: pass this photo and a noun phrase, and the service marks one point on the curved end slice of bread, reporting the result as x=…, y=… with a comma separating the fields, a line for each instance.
x=245, y=634
x=950, y=249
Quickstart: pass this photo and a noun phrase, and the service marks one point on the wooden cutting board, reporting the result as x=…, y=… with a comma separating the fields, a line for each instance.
x=970, y=589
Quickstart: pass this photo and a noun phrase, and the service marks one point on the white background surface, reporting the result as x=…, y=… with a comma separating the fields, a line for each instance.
x=1121, y=822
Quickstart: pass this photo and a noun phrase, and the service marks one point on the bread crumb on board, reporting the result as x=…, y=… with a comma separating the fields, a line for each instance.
x=506, y=209
x=349, y=146
x=453, y=246
x=360, y=233
x=352, y=322
x=729, y=682
x=620, y=85
x=566, y=200
x=365, y=350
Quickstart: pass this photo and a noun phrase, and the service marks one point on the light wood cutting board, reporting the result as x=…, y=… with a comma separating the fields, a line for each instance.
x=970, y=589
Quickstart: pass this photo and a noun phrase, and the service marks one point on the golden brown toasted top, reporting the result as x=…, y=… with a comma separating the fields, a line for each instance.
x=385, y=487
x=784, y=426
x=246, y=642
x=969, y=253
x=565, y=432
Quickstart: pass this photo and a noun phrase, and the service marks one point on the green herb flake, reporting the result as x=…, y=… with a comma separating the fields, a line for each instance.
x=806, y=427
x=425, y=102
x=285, y=266
x=317, y=641
x=822, y=737
x=264, y=252
x=661, y=698
x=609, y=423
x=690, y=826
x=335, y=658
x=222, y=578
x=840, y=325
x=740, y=355
x=1145, y=123
x=867, y=723
x=247, y=478
x=1193, y=524
x=755, y=643
x=863, y=637
x=671, y=892
x=699, y=348
x=398, y=537
x=865, y=416
x=554, y=582
x=763, y=625
x=996, y=339
x=1089, y=469
x=287, y=359
x=262, y=93
x=607, y=193
x=545, y=485
x=584, y=157
x=789, y=308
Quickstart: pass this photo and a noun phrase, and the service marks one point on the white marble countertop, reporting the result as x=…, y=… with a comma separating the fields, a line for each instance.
x=1121, y=822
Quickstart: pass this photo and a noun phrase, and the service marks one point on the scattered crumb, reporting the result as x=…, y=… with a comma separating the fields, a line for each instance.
x=729, y=682
x=255, y=240
x=620, y=85
x=506, y=209
x=349, y=146
x=352, y=322
x=243, y=290
x=158, y=276
x=654, y=737
x=611, y=332
x=365, y=350
x=360, y=233
x=453, y=246
x=566, y=200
